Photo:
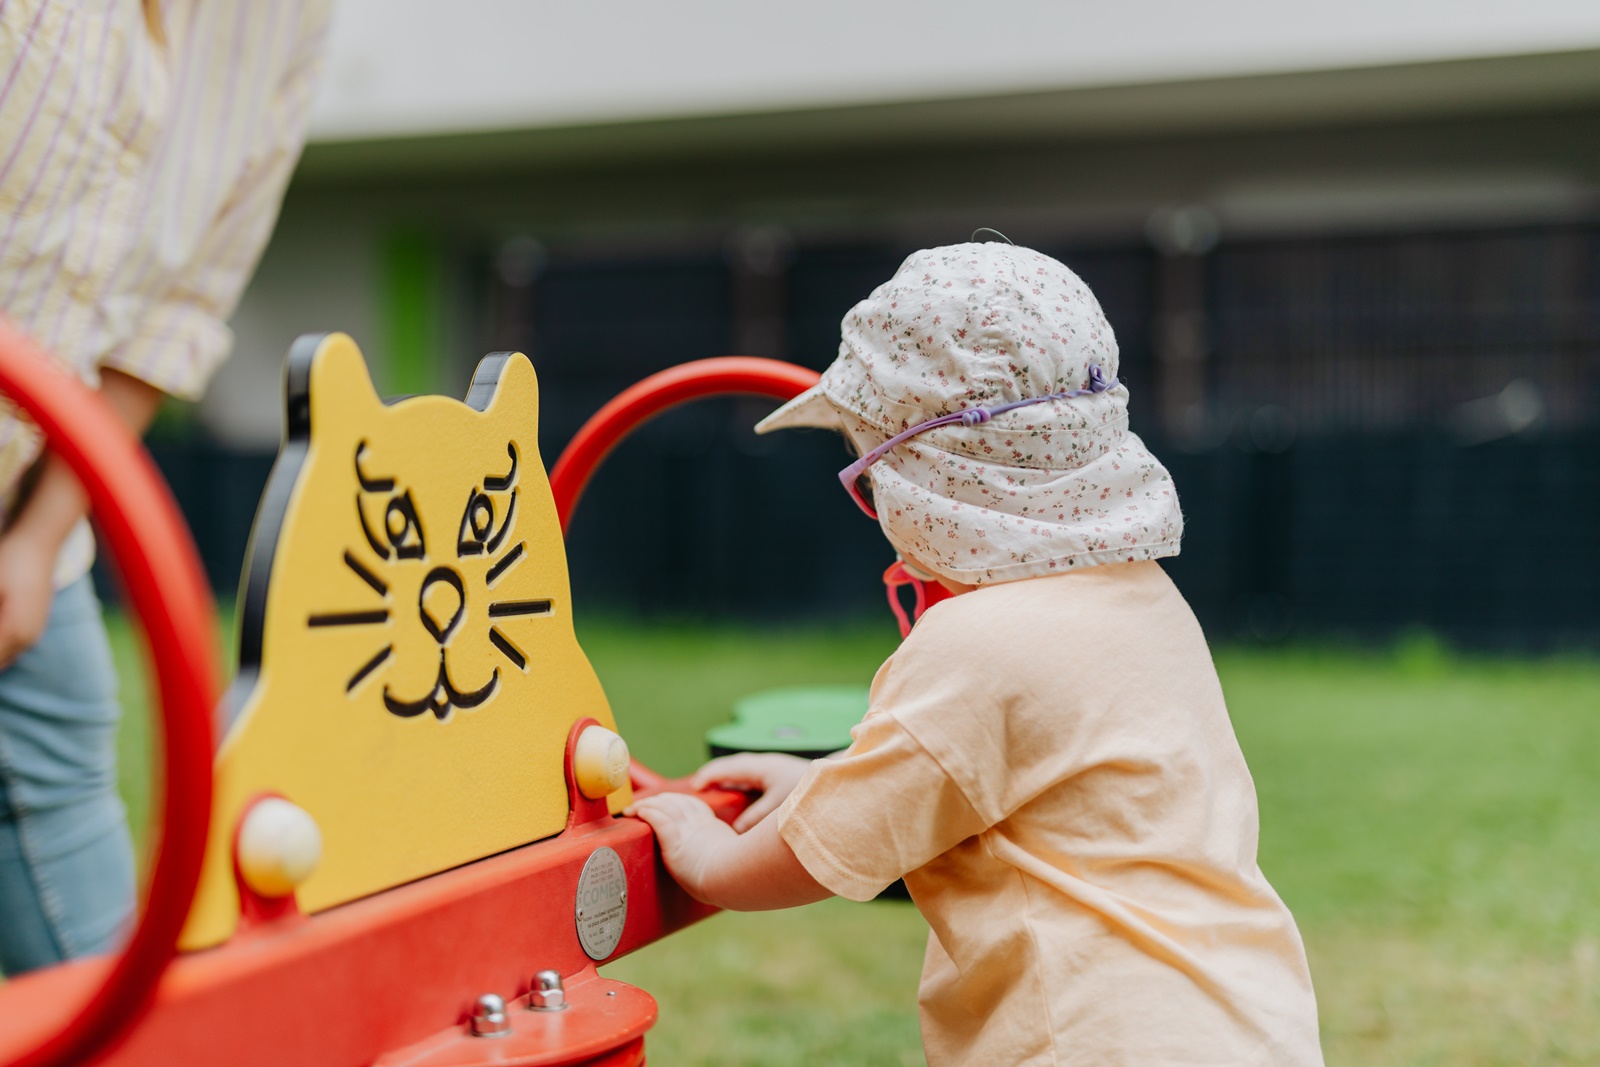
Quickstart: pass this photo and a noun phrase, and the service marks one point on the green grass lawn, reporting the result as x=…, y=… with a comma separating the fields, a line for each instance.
x=1433, y=822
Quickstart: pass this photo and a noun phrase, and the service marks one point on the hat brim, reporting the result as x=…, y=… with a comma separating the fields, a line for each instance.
x=810, y=408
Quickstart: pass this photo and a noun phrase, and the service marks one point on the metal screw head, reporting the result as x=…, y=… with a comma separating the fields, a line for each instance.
x=548, y=992
x=489, y=1017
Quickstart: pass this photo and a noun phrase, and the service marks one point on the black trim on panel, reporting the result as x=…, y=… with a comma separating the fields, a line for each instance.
x=274, y=506
x=486, y=379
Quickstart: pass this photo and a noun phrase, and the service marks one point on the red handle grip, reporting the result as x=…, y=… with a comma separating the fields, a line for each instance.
x=638, y=404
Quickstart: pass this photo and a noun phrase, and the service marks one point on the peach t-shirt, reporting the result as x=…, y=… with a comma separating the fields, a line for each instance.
x=1050, y=766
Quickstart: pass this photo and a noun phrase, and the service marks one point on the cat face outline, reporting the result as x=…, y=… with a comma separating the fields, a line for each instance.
x=394, y=537
x=408, y=670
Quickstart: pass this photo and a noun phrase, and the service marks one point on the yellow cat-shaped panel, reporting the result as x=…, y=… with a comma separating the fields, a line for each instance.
x=408, y=671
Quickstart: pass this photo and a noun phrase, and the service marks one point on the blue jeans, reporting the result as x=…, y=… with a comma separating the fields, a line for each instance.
x=66, y=860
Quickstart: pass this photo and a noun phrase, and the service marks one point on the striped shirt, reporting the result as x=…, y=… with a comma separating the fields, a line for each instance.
x=139, y=181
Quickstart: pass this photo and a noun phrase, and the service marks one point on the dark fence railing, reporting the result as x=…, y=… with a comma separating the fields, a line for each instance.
x=1349, y=536
x=1368, y=432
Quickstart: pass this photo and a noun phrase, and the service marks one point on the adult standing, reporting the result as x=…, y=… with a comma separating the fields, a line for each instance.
x=144, y=150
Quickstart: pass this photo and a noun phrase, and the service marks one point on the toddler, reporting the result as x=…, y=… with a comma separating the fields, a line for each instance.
x=1047, y=760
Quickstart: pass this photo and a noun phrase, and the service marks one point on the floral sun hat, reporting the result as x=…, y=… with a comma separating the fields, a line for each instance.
x=1042, y=489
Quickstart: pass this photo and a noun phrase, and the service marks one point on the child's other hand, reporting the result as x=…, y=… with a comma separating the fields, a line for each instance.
x=690, y=836
x=772, y=774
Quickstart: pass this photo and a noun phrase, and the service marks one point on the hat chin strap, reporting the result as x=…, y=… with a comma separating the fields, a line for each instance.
x=927, y=593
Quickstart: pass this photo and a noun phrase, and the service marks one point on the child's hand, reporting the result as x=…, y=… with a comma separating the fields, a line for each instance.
x=772, y=774
x=745, y=872
x=691, y=837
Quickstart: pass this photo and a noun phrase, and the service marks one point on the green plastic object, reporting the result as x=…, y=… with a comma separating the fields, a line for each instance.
x=809, y=721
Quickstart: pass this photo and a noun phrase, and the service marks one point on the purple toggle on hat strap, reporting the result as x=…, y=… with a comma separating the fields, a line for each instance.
x=1098, y=383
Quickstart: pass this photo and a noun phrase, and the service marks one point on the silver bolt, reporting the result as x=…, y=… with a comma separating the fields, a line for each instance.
x=548, y=992
x=489, y=1017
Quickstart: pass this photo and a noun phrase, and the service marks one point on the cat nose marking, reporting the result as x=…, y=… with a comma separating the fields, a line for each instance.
x=442, y=588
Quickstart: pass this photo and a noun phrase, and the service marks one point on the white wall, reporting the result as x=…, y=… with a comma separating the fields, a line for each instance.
x=318, y=274
x=413, y=67
x=399, y=67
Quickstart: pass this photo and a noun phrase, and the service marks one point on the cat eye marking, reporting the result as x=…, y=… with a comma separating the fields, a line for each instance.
x=477, y=525
x=367, y=531
x=493, y=544
x=503, y=564
x=349, y=618
x=402, y=543
x=477, y=534
x=368, y=667
x=403, y=508
x=371, y=485
x=379, y=586
x=401, y=523
x=500, y=485
x=511, y=651
x=478, y=519
x=501, y=609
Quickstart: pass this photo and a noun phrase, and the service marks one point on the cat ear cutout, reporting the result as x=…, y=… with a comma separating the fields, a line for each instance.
x=506, y=382
x=326, y=374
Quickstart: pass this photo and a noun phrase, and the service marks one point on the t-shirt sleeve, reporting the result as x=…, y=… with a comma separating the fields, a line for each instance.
x=884, y=808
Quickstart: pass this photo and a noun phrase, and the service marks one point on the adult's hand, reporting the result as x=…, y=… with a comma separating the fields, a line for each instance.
x=27, y=587
x=52, y=505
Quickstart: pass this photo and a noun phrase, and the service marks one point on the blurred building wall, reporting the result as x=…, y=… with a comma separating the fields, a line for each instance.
x=1352, y=265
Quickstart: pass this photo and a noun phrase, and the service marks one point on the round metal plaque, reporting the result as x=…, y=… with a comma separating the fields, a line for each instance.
x=602, y=905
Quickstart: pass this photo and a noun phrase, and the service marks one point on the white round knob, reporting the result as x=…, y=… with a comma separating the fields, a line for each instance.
x=279, y=846
x=600, y=762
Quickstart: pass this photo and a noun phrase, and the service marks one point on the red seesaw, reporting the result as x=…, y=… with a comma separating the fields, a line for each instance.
x=486, y=958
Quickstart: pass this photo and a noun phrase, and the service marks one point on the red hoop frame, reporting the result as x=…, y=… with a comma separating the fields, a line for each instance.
x=161, y=575
x=639, y=403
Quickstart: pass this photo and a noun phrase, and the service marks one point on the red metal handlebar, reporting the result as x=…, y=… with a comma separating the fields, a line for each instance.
x=161, y=574
x=638, y=404
x=642, y=402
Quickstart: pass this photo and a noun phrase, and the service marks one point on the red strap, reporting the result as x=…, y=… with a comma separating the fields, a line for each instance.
x=927, y=593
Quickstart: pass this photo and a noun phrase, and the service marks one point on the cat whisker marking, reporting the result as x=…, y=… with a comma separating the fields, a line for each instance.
x=511, y=651
x=368, y=667
x=378, y=585
x=350, y=618
x=502, y=609
x=504, y=563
